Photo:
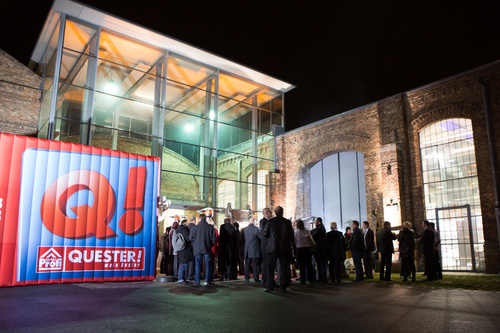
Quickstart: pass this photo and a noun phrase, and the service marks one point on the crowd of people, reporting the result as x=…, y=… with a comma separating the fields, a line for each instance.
x=276, y=245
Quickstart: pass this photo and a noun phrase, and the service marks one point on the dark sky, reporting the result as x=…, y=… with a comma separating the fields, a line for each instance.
x=339, y=54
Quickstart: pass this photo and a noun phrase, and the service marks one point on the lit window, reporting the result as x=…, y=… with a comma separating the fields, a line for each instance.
x=451, y=192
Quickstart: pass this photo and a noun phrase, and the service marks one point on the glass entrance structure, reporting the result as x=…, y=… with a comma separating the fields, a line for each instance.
x=111, y=84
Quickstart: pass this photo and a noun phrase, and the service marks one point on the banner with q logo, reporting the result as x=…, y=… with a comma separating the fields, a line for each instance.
x=73, y=213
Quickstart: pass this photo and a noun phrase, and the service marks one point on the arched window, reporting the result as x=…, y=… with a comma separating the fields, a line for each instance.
x=451, y=192
x=338, y=191
x=226, y=193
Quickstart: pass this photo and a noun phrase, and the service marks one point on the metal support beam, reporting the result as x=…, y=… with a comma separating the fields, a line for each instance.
x=55, y=83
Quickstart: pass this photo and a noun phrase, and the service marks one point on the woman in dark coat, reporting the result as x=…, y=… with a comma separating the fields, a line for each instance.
x=406, y=240
x=185, y=256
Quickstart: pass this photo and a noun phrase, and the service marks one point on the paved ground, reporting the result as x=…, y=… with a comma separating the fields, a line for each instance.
x=238, y=307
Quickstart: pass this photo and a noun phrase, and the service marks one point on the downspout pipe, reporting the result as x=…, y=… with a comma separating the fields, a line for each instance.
x=492, y=149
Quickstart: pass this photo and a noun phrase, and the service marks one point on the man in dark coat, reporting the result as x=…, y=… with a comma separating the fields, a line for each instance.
x=357, y=249
x=202, y=237
x=263, y=242
x=386, y=249
x=335, y=251
x=226, y=249
x=319, y=236
x=280, y=238
x=406, y=241
x=369, y=241
x=190, y=268
x=164, y=242
x=184, y=256
x=427, y=249
x=251, y=249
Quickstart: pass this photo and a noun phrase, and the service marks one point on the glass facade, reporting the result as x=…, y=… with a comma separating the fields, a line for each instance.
x=211, y=128
x=451, y=192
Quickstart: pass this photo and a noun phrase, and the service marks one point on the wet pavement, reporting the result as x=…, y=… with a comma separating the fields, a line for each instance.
x=236, y=306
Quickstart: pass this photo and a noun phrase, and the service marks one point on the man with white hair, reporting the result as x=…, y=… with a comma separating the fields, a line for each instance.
x=335, y=251
x=251, y=252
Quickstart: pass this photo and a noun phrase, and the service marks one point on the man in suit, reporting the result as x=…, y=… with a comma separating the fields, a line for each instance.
x=369, y=241
x=335, y=251
x=280, y=238
x=251, y=249
x=386, y=249
x=319, y=236
x=226, y=249
x=263, y=242
x=202, y=237
x=427, y=248
x=357, y=249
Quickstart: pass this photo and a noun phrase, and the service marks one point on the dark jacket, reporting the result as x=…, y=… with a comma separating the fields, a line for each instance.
x=185, y=255
x=384, y=241
x=263, y=240
x=319, y=236
x=369, y=239
x=227, y=239
x=357, y=242
x=202, y=237
x=427, y=242
x=334, y=244
x=250, y=239
x=406, y=240
x=279, y=234
x=164, y=242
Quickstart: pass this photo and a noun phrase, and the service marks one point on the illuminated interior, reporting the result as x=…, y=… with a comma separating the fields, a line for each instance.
x=451, y=192
x=117, y=92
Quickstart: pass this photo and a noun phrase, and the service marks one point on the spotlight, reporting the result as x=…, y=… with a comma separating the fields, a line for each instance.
x=111, y=87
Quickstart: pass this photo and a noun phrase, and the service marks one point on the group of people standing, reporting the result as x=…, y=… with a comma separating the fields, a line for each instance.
x=278, y=245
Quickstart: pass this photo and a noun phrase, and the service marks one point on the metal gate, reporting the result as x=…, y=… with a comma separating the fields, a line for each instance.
x=454, y=225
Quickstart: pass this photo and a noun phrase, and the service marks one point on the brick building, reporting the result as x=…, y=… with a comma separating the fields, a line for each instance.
x=400, y=180
x=20, y=97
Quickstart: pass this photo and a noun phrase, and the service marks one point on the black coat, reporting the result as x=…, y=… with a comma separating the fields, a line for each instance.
x=427, y=242
x=334, y=244
x=263, y=240
x=185, y=255
x=279, y=234
x=357, y=242
x=370, y=240
x=227, y=239
x=406, y=243
x=384, y=241
x=319, y=236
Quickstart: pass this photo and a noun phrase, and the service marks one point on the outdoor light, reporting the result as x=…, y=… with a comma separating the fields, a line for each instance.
x=212, y=115
x=188, y=127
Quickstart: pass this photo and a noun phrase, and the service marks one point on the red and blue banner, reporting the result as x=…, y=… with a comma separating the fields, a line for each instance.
x=74, y=213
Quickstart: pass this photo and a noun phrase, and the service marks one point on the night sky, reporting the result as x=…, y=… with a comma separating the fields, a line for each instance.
x=340, y=54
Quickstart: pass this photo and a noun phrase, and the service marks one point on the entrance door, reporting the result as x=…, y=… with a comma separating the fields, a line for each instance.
x=454, y=225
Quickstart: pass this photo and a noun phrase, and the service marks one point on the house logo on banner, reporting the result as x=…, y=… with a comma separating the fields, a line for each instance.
x=49, y=260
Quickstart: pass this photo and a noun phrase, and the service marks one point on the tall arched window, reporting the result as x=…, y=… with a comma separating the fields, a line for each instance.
x=338, y=190
x=451, y=192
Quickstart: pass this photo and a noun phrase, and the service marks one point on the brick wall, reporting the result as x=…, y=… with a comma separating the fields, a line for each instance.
x=386, y=132
x=20, y=97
